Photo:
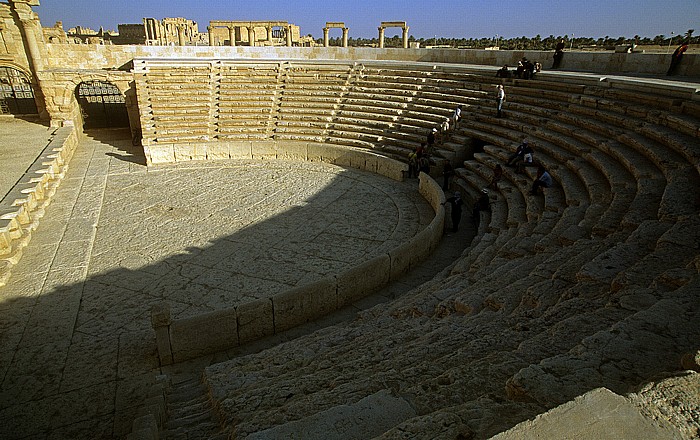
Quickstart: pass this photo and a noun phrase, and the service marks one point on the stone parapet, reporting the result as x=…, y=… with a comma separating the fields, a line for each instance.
x=188, y=338
x=23, y=206
x=75, y=56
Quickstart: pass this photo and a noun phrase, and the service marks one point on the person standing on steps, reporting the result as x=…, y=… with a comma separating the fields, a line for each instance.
x=558, y=54
x=676, y=57
x=456, y=116
x=483, y=203
x=456, y=210
x=500, y=99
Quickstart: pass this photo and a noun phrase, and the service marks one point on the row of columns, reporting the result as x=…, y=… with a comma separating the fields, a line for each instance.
x=251, y=35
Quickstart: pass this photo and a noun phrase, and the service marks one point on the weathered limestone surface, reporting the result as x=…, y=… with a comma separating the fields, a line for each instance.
x=596, y=414
x=78, y=356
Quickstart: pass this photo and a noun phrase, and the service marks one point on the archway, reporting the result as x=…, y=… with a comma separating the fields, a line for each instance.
x=102, y=105
x=17, y=93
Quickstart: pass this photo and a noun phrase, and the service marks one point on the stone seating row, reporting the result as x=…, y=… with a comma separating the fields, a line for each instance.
x=649, y=147
x=529, y=314
x=23, y=206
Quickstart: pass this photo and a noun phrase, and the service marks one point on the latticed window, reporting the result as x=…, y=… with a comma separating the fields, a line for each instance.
x=102, y=105
x=16, y=93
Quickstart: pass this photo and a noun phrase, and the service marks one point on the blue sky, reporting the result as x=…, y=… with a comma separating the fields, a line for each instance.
x=455, y=18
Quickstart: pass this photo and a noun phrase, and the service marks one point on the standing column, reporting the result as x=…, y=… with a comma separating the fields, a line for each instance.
x=251, y=35
x=405, y=37
x=288, y=32
x=180, y=36
x=381, y=37
x=345, y=37
x=232, y=36
x=325, y=37
x=210, y=29
x=26, y=17
x=269, y=34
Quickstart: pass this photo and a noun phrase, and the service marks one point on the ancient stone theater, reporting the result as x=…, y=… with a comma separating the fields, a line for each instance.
x=229, y=234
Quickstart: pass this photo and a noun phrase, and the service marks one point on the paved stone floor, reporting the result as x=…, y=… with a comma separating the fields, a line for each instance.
x=76, y=347
x=21, y=141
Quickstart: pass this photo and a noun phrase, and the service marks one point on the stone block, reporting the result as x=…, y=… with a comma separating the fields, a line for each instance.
x=305, y=303
x=391, y=168
x=240, y=150
x=186, y=152
x=255, y=320
x=144, y=428
x=293, y=151
x=401, y=257
x=160, y=153
x=218, y=151
x=363, y=279
x=203, y=334
x=324, y=153
x=421, y=245
x=265, y=150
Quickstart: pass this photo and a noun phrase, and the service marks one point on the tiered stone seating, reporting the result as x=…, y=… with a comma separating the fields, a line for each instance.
x=177, y=102
x=550, y=298
x=245, y=101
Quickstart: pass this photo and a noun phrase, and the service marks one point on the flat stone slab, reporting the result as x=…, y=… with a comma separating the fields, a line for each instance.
x=367, y=418
x=598, y=414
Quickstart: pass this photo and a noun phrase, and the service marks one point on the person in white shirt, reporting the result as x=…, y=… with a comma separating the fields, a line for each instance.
x=456, y=116
x=500, y=98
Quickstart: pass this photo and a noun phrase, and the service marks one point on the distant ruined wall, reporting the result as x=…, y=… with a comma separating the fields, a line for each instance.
x=61, y=56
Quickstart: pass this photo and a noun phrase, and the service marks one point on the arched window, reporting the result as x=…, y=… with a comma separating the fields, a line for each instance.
x=102, y=105
x=17, y=93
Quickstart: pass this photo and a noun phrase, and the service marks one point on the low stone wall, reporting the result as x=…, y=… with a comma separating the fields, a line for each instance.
x=362, y=159
x=79, y=56
x=183, y=339
x=23, y=206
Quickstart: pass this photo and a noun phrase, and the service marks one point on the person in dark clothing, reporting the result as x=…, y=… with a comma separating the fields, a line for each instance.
x=456, y=212
x=543, y=180
x=482, y=204
x=519, y=154
x=447, y=172
x=431, y=139
x=497, y=176
x=558, y=54
x=423, y=164
x=676, y=57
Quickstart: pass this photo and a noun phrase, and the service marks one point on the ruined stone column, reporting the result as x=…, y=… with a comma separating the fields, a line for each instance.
x=251, y=36
x=26, y=18
x=405, y=37
x=180, y=36
x=325, y=37
x=232, y=36
x=381, y=37
x=345, y=36
x=269, y=34
x=211, y=35
x=289, y=36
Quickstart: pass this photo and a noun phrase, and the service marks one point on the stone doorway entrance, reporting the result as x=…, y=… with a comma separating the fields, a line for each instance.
x=17, y=95
x=102, y=105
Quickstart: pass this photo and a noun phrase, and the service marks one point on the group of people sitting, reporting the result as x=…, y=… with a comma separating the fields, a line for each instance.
x=525, y=69
x=522, y=157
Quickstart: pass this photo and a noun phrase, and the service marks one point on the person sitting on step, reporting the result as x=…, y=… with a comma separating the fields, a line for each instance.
x=543, y=180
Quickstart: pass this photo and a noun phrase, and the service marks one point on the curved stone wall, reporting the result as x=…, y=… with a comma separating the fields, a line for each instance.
x=183, y=339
